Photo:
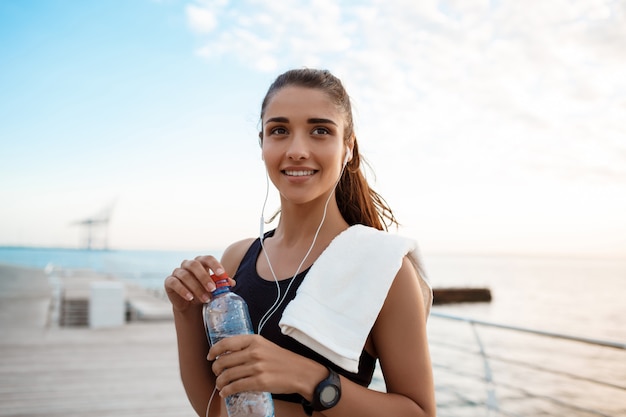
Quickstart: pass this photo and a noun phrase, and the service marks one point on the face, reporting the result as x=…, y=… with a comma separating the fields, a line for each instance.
x=303, y=145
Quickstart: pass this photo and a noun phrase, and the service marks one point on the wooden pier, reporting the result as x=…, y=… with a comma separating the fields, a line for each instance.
x=65, y=371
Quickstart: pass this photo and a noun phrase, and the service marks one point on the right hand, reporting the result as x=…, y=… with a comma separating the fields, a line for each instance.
x=191, y=282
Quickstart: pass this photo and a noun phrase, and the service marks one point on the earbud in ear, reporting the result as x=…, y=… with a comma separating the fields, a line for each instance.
x=348, y=156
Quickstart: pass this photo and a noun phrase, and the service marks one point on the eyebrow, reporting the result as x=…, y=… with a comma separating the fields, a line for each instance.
x=309, y=121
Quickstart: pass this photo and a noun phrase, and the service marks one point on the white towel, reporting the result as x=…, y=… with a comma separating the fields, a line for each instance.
x=337, y=304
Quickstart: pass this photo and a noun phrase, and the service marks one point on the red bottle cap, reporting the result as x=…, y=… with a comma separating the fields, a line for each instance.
x=220, y=280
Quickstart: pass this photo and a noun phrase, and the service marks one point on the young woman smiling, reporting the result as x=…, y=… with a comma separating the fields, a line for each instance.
x=312, y=158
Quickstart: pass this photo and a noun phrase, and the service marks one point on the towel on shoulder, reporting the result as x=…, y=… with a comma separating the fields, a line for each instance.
x=337, y=304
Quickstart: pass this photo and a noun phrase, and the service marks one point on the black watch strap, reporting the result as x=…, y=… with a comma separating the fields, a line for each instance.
x=308, y=407
x=326, y=395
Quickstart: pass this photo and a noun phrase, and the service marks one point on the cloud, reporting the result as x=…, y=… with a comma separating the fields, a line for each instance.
x=536, y=86
x=267, y=35
x=200, y=19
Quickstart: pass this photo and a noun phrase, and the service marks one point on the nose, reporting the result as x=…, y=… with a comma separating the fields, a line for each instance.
x=298, y=147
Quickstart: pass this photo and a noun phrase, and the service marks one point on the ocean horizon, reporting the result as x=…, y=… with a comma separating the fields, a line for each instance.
x=569, y=294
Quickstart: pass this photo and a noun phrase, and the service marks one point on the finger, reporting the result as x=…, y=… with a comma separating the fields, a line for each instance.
x=212, y=264
x=191, y=282
x=227, y=361
x=229, y=345
x=230, y=387
x=232, y=366
x=239, y=380
x=174, y=285
x=249, y=375
x=200, y=272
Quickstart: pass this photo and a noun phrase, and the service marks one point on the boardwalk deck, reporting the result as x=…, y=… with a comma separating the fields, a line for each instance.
x=53, y=371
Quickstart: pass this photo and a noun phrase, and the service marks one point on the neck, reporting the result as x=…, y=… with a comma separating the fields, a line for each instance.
x=299, y=223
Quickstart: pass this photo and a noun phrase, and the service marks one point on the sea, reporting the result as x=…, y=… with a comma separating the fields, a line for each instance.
x=572, y=296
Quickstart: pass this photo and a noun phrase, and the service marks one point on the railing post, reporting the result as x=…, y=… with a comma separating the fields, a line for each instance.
x=492, y=401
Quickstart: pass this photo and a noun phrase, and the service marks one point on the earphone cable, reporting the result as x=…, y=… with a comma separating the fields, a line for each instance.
x=261, y=239
x=204, y=315
x=280, y=300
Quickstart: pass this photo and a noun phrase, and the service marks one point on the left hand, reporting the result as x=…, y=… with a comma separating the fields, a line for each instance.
x=252, y=363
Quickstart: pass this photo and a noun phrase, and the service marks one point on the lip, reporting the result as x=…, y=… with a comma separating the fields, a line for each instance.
x=296, y=173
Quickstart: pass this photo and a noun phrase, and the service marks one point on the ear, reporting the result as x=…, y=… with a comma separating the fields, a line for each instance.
x=348, y=157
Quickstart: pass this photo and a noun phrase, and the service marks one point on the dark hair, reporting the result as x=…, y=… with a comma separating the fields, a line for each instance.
x=358, y=203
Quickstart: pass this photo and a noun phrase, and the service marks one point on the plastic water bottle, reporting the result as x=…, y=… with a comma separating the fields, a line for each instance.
x=224, y=316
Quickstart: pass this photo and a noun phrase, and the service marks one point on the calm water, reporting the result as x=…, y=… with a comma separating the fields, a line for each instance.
x=147, y=268
x=532, y=375
x=578, y=296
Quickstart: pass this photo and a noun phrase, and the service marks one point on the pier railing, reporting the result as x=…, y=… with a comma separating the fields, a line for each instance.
x=491, y=369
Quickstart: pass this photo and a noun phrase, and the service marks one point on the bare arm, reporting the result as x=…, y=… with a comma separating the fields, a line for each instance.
x=188, y=288
x=398, y=336
x=195, y=371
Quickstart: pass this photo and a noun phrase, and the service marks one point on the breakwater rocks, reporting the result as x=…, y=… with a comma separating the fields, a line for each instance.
x=461, y=295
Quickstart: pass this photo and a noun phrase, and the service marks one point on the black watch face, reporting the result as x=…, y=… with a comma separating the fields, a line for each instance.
x=329, y=395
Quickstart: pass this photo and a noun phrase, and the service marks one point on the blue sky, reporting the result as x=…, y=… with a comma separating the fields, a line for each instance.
x=491, y=126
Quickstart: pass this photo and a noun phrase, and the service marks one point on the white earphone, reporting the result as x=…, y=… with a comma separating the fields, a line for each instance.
x=348, y=156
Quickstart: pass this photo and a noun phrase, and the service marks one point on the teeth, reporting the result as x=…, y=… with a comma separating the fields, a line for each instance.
x=299, y=173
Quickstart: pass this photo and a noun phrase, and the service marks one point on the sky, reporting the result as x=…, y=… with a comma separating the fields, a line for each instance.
x=490, y=126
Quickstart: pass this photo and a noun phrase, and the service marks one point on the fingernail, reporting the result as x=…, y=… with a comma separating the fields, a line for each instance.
x=189, y=296
x=219, y=272
x=205, y=298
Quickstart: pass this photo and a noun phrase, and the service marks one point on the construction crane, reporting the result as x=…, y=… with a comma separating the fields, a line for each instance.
x=96, y=229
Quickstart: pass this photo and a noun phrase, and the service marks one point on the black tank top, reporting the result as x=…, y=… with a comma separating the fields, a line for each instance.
x=261, y=294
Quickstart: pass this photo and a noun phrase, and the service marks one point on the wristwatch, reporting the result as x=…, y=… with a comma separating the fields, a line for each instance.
x=326, y=395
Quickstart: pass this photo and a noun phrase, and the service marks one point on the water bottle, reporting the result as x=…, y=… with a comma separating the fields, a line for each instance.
x=224, y=316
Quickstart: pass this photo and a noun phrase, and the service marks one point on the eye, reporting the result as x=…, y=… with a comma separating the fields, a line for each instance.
x=321, y=131
x=278, y=131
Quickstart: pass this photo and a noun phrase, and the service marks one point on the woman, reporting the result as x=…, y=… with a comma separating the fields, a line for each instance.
x=311, y=156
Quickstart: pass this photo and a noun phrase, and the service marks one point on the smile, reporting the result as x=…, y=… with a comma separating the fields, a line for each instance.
x=299, y=173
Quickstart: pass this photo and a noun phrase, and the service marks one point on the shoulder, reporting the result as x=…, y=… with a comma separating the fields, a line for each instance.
x=402, y=317
x=408, y=283
x=234, y=253
x=400, y=339
x=405, y=299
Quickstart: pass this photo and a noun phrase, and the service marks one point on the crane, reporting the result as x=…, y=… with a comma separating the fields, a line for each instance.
x=96, y=228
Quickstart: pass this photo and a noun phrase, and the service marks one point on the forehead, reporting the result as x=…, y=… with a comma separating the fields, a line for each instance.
x=301, y=102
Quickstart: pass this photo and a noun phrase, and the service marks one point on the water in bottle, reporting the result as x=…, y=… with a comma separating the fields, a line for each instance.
x=224, y=316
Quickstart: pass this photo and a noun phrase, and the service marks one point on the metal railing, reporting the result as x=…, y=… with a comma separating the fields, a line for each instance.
x=484, y=368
